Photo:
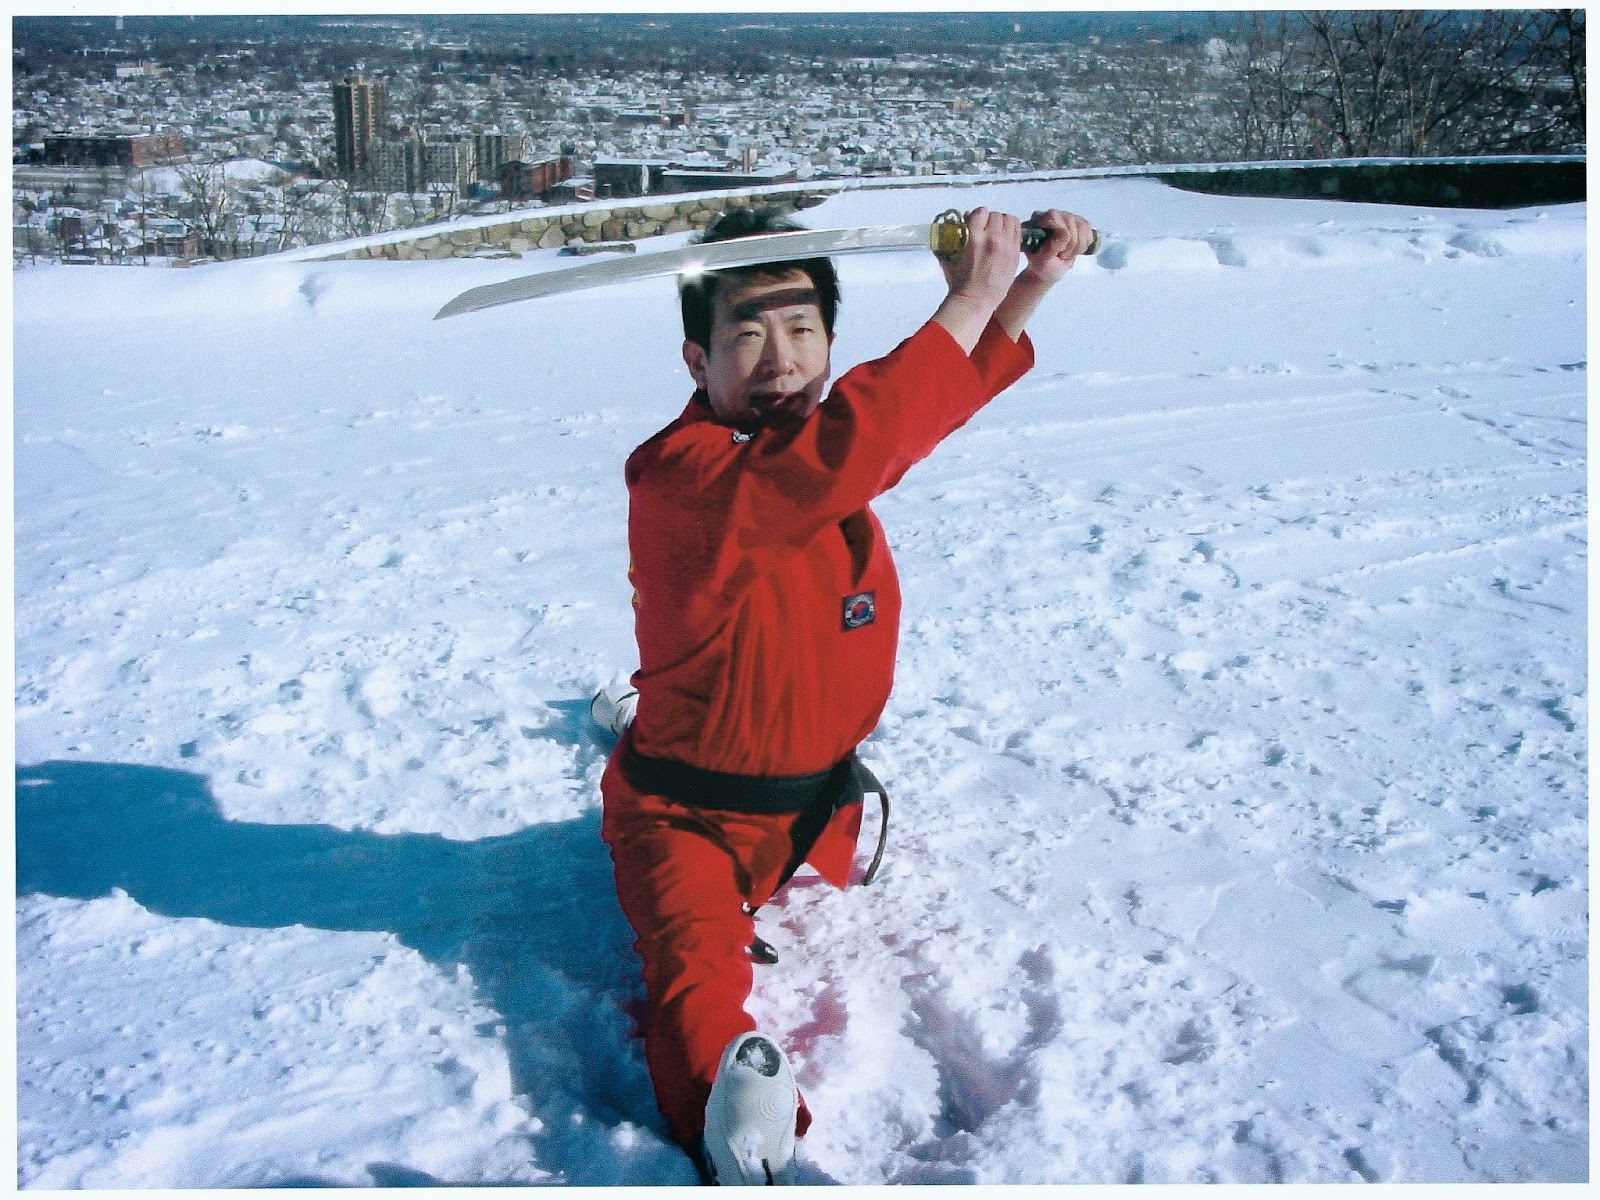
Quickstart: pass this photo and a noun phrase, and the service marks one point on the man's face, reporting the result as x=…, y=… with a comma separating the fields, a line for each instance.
x=769, y=356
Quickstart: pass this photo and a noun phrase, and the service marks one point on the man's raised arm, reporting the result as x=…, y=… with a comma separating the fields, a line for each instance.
x=981, y=281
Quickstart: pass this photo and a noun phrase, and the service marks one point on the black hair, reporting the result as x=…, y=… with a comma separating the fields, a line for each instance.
x=697, y=294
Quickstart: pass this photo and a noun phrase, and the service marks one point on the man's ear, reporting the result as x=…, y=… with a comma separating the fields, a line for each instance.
x=694, y=357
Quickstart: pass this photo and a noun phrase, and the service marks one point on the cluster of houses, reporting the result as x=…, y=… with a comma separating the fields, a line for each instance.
x=508, y=139
x=70, y=197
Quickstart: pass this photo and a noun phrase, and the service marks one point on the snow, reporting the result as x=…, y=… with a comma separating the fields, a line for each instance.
x=169, y=180
x=1238, y=743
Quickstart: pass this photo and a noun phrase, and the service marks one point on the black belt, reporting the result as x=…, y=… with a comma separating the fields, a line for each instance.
x=816, y=797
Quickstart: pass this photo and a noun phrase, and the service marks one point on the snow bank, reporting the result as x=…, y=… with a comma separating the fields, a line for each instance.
x=169, y=180
x=1238, y=741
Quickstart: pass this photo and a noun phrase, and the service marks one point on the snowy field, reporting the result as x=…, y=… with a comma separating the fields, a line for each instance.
x=1238, y=747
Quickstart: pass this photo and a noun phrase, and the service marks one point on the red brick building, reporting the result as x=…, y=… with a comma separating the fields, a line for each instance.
x=531, y=180
x=113, y=149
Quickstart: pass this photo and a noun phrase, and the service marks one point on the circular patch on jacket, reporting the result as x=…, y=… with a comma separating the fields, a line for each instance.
x=859, y=610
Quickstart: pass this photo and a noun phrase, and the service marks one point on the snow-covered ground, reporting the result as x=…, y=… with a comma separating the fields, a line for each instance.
x=1238, y=748
x=235, y=170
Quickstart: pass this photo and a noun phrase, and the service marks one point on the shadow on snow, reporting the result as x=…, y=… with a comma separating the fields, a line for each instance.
x=533, y=914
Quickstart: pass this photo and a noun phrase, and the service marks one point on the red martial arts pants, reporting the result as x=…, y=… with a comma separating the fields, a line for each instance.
x=688, y=880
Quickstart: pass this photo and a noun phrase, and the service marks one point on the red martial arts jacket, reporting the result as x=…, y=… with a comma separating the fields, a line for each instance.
x=766, y=603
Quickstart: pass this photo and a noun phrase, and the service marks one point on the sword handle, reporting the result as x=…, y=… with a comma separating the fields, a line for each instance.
x=947, y=236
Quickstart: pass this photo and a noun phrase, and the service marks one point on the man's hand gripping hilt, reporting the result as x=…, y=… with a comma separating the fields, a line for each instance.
x=947, y=236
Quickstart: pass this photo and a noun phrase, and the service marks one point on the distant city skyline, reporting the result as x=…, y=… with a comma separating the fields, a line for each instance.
x=469, y=113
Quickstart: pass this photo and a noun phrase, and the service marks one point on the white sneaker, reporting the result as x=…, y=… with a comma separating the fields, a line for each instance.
x=613, y=707
x=750, y=1115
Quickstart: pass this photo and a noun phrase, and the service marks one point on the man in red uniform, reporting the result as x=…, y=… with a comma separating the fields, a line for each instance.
x=767, y=611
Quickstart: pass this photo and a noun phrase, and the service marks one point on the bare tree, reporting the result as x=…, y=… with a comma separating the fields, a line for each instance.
x=361, y=213
x=144, y=191
x=208, y=206
x=1263, y=110
x=442, y=199
x=1569, y=33
x=30, y=211
x=300, y=204
x=1407, y=82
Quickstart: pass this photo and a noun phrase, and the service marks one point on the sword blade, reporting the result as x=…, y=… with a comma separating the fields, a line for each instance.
x=736, y=252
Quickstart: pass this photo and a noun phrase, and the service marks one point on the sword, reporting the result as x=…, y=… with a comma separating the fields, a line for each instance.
x=946, y=236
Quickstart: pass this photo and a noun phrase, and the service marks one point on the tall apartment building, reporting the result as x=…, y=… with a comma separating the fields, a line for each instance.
x=449, y=162
x=359, y=106
x=412, y=163
x=494, y=150
x=394, y=165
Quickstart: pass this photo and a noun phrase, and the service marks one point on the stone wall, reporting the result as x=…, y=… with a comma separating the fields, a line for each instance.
x=1480, y=182
x=1451, y=183
x=545, y=229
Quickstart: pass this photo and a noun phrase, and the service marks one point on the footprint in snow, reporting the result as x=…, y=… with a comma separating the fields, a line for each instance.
x=974, y=1082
